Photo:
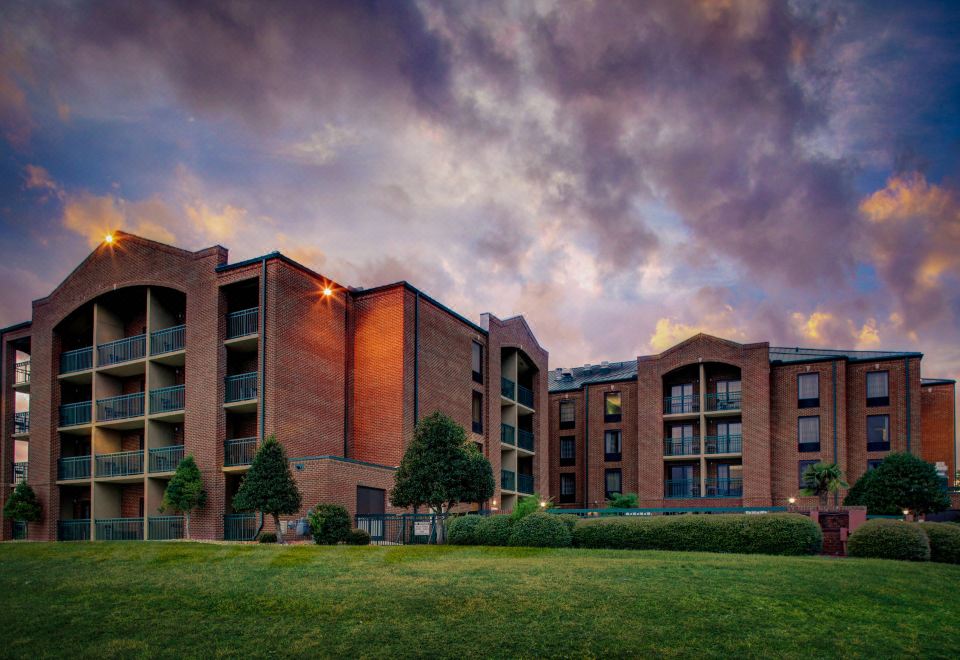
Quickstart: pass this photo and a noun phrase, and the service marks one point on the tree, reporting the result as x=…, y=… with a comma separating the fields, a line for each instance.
x=529, y=504
x=821, y=479
x=901, y=481
x=23, y=504
x=269, y=487
x=441, y=469
x=623, y=501
x=185, y=491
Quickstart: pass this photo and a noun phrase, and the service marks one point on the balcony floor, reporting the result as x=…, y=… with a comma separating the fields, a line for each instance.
x=123, y=369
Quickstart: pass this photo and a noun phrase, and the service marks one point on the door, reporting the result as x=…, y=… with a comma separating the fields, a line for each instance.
x=681, y=398
x=681, y=481
x=371, y=503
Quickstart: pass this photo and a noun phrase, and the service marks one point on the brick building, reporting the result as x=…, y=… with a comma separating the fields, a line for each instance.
x=710, y=422
x=147, y=353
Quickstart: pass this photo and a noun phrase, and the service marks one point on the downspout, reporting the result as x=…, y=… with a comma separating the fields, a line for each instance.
x=906, y=394
x=586, y=447
x=263, y=361
x=347, y=372
x=416, y=358
x=836, y=496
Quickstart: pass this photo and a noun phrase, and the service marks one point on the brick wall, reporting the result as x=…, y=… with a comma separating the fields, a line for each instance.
x=937, y=425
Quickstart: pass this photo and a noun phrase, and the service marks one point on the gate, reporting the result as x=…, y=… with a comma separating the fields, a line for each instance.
x=400, y=528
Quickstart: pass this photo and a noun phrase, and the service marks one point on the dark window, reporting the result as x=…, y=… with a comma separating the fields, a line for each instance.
x=568, y=488
x=802, y=468
x=477, y=412
x=808, y=433
x=612, y=445
x=477, y=360
x=141, y=508
x=568, y=414
x=371, y=500
x=568, y=454
x=878, y=388
x=613, y=482
x=612, y=410
x=808, y=390
x=874, y=463
x=682, y=399
x=878, y=432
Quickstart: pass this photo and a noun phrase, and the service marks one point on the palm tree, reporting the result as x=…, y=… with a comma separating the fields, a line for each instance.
x=821, y=479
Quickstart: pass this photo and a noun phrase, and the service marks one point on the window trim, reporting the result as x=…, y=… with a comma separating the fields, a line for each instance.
x=613, y=457
x=807, y=447
x=606, y=473
x=878, y=446
x=566, y=425
x=808, y=402
x=567, y=461
x=877, y=401
x=612, y=418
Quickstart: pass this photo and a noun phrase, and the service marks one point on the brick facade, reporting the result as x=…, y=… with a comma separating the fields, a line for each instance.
x=937, y=424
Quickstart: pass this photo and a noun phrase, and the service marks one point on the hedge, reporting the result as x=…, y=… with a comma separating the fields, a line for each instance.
x=569, y=520
x=329, y=524
x=772, y=534
x=462, y=530
x=889, y=539
x=267, y=537
x=358, y=537
x=494, y=530
x=944, y=541
x=540, y=530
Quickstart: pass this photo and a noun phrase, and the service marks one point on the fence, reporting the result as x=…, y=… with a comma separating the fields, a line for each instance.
x=400, y=528
x=602, y=513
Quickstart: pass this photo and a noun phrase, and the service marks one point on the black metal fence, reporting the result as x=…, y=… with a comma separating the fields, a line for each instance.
x=402, y=528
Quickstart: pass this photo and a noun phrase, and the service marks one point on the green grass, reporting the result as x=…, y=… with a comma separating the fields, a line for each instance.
x=192, y=600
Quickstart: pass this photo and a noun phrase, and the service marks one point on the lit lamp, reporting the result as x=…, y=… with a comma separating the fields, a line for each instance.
x=327, y=291
x=792, y=501
x=108, y=239
x=543, y=504
x=493, y=505
x=906, y=513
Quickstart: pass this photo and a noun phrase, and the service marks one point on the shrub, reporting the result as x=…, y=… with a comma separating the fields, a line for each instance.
x=568, y=519
x=901, y=481
x=268, y=537
x=775, y=534
x=526, y=506
x=358, y=537
x=494, y=530
x=623, y=501
x=944, y=541
x=462, y=530
x=330, y=524
x=540, y=530
x=889, y=539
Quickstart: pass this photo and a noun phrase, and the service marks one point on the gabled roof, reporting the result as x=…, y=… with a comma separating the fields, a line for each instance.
x=787, y=355
x=574, y=379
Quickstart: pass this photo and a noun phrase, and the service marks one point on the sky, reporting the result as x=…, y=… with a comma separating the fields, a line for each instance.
x=623, y=174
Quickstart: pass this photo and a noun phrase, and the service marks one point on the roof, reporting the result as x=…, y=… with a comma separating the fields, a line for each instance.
x=785, y=355
x=605, y=372
x=937, y=381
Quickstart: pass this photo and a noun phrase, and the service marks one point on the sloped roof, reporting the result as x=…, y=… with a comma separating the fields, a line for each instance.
x=784, y=355
x=575, y=378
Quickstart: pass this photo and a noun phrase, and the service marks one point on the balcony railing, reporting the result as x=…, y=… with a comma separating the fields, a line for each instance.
x=21, y=422
x=121, y=350
x=723, y=444
x=241, y=387
x=119, y=529
x=681, y=488
x=165, y=459
x=242, y=323
x=677, y=405
x=163, y=528
x=74, y=414
x=239, y=526
x=120, y=407
x=723, y=401
x=508, y=434
x=73, y=530
x=525, y=396
x=120, y=464
x=167, y=399
x=686, y=446
x=239, y=451
x=508, y=388
x=525, y=439
x=19, y=472
x=525, y=483
x=508, y=480
x=73, y=467
x=21, y=374
x=724, y=487
x=168, y=340
x=80, y=359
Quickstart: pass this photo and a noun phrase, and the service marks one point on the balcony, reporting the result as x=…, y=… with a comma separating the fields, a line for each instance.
x=508, y=388
x=525, y=396
x=21, y=373
x=525, y=484
x=80, y=359
x=525, y=439
x=73, y=530
x=167, y=399
x=724, y=487
x=723, y=402
x=164, y=528
x=685, y=488
x=121, y=350
x=239, y=451
x=168, y=340
x=73, y=467
x=686, y=446
x=19, y=472
x=119, y=464
x=681, y=405
x=241, y=387
x=723, y=444
x=165, y=459
x=508, y=435
x=508, y=480
x=119, y=529
x=243, y=323
x=239, y=526
x=124, y=406
x=21, y=422
x=75, y=414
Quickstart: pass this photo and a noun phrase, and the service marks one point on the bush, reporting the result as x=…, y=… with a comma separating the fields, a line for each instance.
x=526, y=506
x=772, y=534
x=568, y=519
x=268, y=537
x=901, y=481
x=889, y=539
x=944, y=541
x=330, y=524
x=358, y=537
x=540, y=530
x=462, y=530
x=494, y=530
x=623, y=501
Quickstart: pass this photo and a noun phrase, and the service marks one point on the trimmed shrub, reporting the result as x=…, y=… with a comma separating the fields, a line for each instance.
x=540, y=530
x=329, y=524
x=944, y=541
x=358, y=537
x=568, y=519
x=494, y=530
x=773, y=534
x=462, y=530
x=527, y=505
x=268, y=537
x=889, y=539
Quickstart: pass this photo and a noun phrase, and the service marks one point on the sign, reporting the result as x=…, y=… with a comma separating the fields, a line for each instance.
x=421, y=528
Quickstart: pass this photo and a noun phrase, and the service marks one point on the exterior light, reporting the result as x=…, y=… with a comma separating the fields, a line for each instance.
x=792, y=500
x=493, y=502
x=906, y=512
x=327, y=291
x=108, y=239
x=542, y=504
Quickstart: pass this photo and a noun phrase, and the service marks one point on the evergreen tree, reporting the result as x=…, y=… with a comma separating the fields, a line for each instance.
x=269, y=486
x=901, y=481
x=23, y=504
x=185, y=491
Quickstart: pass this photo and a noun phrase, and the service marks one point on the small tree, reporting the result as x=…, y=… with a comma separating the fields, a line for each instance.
x=821, y=479
x=901, y=481
x=529, y=504
x=23, y=504
x=623, y=501
x=269, y=486
x=185, y=492
x=441, y=469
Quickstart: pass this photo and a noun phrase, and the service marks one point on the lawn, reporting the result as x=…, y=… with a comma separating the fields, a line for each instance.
x=194, y=599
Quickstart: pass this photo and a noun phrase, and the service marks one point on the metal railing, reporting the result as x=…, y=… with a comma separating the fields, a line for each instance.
x=119, y=464
x=120, y=407
x=19, y=472
x=672, y=510
x=239, y=451
x=677, y=405
x=163, y=528
x=400, y=529
x=74, y=414
x=165, y=459
x=725, y=487
x=508, y=480
x=243, y=323
x=168, y=340
x=240, y=387
x=121, y=350
x=525, y=396
x=119, y=529
x=525, y=439
x=21, y=374
x=508, y=434
x=73, y=467
x=73, y=530
x=681, y=488
x=723, y=444
x=525, y=483
x=167, y=399
x=19, y=530
x=508, y=388
x=685, y=446
x=79, y=359
x=239, y=526
x=21, y=422
x=723, y=401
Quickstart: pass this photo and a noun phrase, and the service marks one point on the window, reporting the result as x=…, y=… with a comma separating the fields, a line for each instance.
x=808, y=433
x=808, y=390
x=568, y=454
x=477, y=412
x=568, y=488
x=568, y=414
x=613, y=482
x=728, y=395
x=681, y=400
x=874, y=463
x=878, y=432
x=477, y=361
x=611, y=445
x=611, y=407
x=801, y=468
x=878, y=388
